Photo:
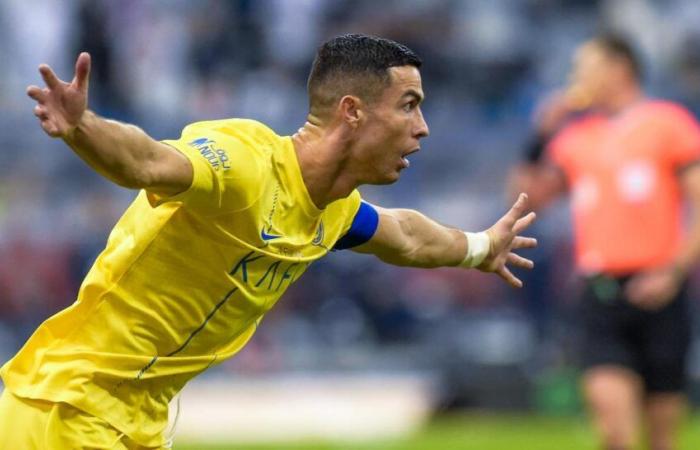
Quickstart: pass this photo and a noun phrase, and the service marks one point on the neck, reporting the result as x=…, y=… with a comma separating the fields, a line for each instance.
x=623, y=97
x=322, y=152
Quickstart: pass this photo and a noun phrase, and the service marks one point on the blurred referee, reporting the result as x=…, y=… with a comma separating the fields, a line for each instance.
x=627, y=161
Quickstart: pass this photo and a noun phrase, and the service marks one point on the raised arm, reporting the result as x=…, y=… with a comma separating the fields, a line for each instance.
x=122, y=153
x=536, y=175
x=542, y=181
x=408, y=238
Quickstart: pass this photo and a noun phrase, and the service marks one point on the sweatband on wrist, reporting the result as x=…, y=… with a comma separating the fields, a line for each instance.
x=478, y=245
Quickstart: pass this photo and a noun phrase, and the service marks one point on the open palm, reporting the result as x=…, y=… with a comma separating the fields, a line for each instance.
x=60, y=105
x=505, y=237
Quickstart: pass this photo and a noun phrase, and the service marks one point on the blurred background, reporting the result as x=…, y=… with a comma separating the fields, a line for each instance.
x=408, y=343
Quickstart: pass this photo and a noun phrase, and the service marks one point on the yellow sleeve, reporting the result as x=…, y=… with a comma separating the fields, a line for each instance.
x=359, y=222
x=226, y=172
x=352, y=205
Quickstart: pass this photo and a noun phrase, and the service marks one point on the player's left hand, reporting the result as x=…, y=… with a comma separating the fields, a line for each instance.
x=653, y=289
x=505, y=237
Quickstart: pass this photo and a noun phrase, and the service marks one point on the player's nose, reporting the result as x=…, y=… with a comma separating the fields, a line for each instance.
x=421, y=129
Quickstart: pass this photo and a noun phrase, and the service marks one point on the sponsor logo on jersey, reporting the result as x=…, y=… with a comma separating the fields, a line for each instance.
x=217, y=157
x=266, y=236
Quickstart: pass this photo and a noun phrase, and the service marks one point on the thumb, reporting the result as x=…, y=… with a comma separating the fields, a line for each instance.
x=82, y=71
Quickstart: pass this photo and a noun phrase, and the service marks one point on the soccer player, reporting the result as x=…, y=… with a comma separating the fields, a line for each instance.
x=227, y=217
x=626, y=159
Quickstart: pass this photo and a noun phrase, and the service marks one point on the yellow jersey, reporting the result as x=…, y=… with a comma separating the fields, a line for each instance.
x=185, y=280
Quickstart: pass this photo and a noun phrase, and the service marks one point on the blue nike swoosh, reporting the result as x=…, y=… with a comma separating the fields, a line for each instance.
x=268, y=237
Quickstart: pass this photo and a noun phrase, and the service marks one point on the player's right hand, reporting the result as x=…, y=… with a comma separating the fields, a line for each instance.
x=61, y=105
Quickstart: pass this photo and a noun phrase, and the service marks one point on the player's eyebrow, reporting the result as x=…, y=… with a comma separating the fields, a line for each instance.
x=413, y=93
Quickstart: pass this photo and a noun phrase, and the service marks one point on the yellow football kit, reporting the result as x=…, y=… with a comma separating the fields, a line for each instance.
x=185, y=280
x=29, y=424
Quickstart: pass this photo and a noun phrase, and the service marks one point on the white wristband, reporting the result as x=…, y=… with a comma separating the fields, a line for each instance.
x=478, y=245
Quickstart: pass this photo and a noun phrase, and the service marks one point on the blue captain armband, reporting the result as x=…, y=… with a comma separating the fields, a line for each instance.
x=362, y=229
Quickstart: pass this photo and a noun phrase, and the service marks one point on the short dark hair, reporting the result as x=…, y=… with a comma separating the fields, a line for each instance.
x=618, y=46
x=354, y=64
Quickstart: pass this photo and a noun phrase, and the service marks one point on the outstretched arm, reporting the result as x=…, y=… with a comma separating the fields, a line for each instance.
x=408, y=238
x=122, y=153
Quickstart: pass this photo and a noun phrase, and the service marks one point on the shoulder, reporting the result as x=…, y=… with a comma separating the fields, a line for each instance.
x=345, y=209
x=578, y=129
x=671, y=120
x=343, y=206
x=664, y=106
x=236, y=148
x=247, y=132
x=666, y=111
x=581, y=124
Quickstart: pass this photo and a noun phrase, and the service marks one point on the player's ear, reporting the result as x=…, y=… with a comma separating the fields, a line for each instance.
x=351, y=111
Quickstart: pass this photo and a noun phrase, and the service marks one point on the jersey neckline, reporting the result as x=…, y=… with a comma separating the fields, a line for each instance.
x=293, y=171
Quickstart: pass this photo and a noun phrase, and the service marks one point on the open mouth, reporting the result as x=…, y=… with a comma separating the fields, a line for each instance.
x=404, y=158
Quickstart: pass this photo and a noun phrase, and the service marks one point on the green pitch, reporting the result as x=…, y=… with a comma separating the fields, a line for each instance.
x=477, y=432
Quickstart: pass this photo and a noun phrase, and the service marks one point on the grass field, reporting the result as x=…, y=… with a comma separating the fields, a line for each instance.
x=477, y=432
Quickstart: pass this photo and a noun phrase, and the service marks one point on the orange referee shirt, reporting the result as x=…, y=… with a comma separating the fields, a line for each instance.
x=623, y=172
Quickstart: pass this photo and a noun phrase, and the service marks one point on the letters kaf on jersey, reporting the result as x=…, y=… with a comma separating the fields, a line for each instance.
x=277, y=273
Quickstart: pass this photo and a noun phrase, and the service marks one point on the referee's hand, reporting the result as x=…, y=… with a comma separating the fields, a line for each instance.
x=653, y=289
x=505, y=237
x=61, y=105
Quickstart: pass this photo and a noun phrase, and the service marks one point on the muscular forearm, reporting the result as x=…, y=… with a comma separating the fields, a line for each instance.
x=408, y=238
x=120, y=152
x=424, y=242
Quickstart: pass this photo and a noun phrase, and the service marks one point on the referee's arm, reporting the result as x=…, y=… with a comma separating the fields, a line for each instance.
x=690, y=249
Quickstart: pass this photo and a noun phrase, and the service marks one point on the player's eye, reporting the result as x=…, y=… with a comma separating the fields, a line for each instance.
x=408, y=107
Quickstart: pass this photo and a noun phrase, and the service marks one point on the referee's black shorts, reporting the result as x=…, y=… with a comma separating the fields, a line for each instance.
x=653, y=344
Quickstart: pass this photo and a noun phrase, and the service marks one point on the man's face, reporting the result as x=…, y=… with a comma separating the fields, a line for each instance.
x=393, y=127
x=593, y=76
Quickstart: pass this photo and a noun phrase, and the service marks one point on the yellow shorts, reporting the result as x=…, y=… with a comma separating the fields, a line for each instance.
x=27, y=424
